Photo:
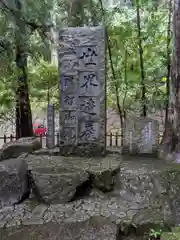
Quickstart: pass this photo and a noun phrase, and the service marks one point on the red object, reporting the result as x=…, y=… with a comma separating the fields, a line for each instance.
x=39, y=130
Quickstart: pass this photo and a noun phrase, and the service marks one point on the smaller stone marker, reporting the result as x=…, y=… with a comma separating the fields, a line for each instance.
x=141, y=136
x=50, y=138
x=82, y=91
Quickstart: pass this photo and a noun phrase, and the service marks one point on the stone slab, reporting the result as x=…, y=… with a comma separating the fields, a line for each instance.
x=82, y=91
x=141, y=136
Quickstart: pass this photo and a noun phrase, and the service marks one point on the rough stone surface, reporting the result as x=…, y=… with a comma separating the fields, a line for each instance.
x=83, y=106
x=141, y=136
x=15, y=148
x=153, y=185
x=96, y=228
x=71, y=172
x=13, y=181
x=104, y=179
x=145, y=196
x=59, y=184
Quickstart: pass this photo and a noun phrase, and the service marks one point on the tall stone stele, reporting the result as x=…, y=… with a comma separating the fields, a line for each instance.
x=82, y=91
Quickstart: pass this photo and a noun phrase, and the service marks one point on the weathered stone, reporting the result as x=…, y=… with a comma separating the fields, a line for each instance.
x=94, y=228
x=59, y=184
x=15, y=148
x=104, y=180
x=83, y=106
x=83, y=150
x=141, y=136
x=152, y=188
x=102, y=171
x=145, y=195
x=13, y=181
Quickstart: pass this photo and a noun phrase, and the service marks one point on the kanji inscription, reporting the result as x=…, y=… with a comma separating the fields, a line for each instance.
x=68, y=83
x=68, y=134
x=89, y=105
x=69, y=117
x=88, y=131
x=68, y=64
x=68, y=101
x=82, y=89
x=89, y=84
x=88, y=56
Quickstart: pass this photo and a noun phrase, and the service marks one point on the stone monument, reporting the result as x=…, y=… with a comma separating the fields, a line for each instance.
x=141, y=136
x=82, y=91
x=50, y=139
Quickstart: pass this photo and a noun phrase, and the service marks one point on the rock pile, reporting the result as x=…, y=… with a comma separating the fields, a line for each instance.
x=54, y=197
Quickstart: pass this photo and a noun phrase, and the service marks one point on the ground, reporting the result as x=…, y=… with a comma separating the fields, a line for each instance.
x=141, y=198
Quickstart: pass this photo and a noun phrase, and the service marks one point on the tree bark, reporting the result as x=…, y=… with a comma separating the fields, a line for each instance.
x=168, y=59
x=170, y=146
x=23, y=109
x=76, y=13
x=142, y=74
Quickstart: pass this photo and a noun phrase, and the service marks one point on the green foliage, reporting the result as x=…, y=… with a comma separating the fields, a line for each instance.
x=123, y=37
x=43, y=77
x=122, y=31
x=155, y=233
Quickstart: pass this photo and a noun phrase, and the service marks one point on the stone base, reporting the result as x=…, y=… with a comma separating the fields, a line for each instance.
x=83, y=150
x=128, y=197
x=145, y=195
x=135, y=152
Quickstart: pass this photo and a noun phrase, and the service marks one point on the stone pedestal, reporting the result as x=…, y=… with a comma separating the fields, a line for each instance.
x=82, y=91
x=141, y=136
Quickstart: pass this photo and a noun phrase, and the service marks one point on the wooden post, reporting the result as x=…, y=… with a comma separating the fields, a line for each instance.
x=11, y=137
x=4, y=138
x=116, y=139
x=58, y=139
x=41, y=140
x=110, y=142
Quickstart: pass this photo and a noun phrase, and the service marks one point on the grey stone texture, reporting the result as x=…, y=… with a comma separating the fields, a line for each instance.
x=82, y=91
x=58, y=184
x=141, y=136
x=15, y=148
x=13, y=181
x=145, y=194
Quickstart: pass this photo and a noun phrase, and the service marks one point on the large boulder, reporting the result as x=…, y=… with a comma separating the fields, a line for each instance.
x=102, y=170
x=59, y=184
x=59, y=177
x=15, y=148
x=104, y=179
x=13, y=181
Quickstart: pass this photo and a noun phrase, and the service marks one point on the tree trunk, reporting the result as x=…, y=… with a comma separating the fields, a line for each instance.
x=23, y=109
x=76, y=13
x=170, y=146
x=168, y=59
x=141, y=60
x=54, y=37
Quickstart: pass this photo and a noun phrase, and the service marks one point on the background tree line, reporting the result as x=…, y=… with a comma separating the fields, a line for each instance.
x=139, y=54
